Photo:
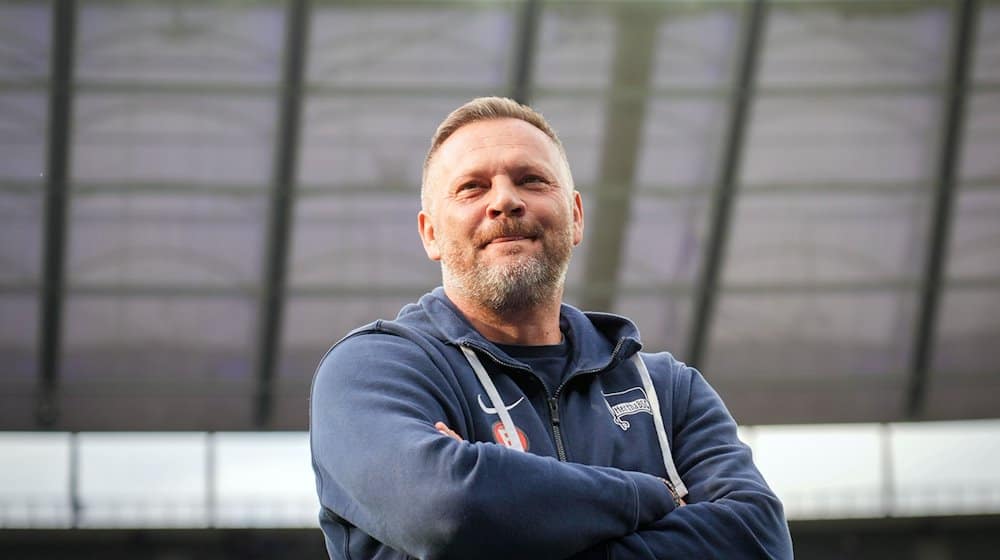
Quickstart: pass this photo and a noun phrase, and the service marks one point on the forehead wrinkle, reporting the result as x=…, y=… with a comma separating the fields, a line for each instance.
x=523, y=156
x=541, y=148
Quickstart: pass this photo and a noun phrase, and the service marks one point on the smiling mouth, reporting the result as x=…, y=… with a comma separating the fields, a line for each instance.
x=509, y=239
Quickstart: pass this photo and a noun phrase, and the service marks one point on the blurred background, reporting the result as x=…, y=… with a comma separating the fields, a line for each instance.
x=799, y=197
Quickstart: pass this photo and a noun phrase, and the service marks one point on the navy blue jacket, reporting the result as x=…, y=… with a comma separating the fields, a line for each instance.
x=590, y=485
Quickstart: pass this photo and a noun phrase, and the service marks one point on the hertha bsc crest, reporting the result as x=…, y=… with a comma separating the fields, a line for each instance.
x=501, y=437
x=627, y=403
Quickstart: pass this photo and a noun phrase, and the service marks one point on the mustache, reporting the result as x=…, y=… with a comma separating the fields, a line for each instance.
x=509, y=228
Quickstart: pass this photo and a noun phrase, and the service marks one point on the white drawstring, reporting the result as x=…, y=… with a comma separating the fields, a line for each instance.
x=513, y=439
x=661, y=432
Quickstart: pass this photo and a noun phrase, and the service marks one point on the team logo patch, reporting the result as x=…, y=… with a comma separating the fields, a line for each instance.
x=626, y=403
x=501, y=437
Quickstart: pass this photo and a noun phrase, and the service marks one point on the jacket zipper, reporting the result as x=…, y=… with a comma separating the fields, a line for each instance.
x=554, y=406
x=553, y=401
x=556, y=429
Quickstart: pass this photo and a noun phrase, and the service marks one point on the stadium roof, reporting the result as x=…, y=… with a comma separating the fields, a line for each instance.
x=801, y=198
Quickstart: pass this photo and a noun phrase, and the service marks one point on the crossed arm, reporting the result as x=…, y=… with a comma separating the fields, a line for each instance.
x=382, y=465
x=446, y=431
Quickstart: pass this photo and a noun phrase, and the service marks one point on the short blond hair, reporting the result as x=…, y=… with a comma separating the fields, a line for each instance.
x=485, y=109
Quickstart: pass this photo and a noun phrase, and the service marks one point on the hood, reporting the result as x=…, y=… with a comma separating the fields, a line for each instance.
x=599, y=340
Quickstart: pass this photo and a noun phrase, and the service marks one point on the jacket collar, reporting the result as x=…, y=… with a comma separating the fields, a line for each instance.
x=599, y=340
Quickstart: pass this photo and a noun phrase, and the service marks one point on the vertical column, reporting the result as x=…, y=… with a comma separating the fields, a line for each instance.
x=272, y=294
x=945, y=179
x=56, y=203
x=75, y=505
x=525, y=44
x=707, y=287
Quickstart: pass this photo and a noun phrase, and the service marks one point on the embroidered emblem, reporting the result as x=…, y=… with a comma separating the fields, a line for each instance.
x=491, y=410
x=626, y=403
x=501, y=437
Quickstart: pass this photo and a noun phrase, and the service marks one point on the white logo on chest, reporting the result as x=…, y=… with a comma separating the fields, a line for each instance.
x=491, y=410
x=626, y=403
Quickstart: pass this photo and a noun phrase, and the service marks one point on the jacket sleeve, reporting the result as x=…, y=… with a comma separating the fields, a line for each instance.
x=382, y=466
x=731, y=512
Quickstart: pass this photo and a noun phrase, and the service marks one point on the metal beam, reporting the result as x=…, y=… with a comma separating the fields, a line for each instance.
x=320, y=89
x=415, y=289
x=952, y=122
x=718, y=236
x=56, y=203
x=373, y=190
x=525, y=46
x=75, y=503
x=635, y=44
x=282, y=194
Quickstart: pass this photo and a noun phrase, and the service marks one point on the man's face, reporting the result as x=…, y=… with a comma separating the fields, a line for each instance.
x=502, y=217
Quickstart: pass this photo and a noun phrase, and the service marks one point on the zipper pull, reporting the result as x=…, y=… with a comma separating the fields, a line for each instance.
x=554, y=410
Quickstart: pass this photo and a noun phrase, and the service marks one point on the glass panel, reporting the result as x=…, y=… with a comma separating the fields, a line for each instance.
x=837, y=397
x=20, y=238
x=399, y=45
x=802, y=141
x=987, y=49
x=23, y=122
x=363, y=242
x=981, y=144
x=376, y=143
x=142, y=480
x=25, y=31
x=663, y=319
x=20, y=261
x=148, y=138
x=575, y=48
x=313, y=324
x=158, y=361
x=681, y=145
x=779, y=335
x=964, y=382
x=664, y=241
x=855, y=44
x=180, y=42
x=818, y=305
x=34, y=480
x=18, y=360
x=580, y=125
x=166, y=240
x=826, y=239
x=968, y=331
x=265, y=480
x=696, y=47
x=975, y=251
x=813, y=334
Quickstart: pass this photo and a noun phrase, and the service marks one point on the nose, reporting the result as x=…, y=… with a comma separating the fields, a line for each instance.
x=505, y=200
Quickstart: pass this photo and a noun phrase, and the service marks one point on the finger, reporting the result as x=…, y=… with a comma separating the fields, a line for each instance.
x=444, y=429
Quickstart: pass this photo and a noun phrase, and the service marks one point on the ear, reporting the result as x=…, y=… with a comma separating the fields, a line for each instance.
x=577, y=218
x=425, y=225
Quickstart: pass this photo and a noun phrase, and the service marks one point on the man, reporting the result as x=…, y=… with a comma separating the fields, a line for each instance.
x=489, y=420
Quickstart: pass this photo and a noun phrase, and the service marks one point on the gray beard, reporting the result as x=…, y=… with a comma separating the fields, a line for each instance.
x=513, y=286
x=516, y=286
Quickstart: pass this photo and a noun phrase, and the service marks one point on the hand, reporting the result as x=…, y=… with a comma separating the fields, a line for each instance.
x=678, y=501
x=444, y=429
